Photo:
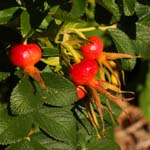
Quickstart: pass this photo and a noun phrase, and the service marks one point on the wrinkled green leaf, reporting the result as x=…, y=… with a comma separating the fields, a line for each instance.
x=62, y=14
x=143, y=32
x=7, y=14
x=124, y=45
x=59, y=123
x=61, y=91
x=145, y=20
x=13, y=129
x=78, y=7
x=26, y=145
x=25, y=97
x=128, y=6
x=144, y=97
x=112, y=7
x=107, y=114
x=142, y=41
x=141, y=10
x=103, y=144
x=40, y=141
x=142, y=48
x=88, y=140
x=51, y=144
x=25, y=23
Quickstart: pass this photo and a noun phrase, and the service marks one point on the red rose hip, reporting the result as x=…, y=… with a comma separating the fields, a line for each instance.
x=26, y=56
x=93, y=49
x=82, y=73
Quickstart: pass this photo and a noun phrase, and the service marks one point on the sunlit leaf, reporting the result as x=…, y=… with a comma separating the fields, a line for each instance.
x=124, y=45
x=7, y=14
x=25, y=23
x=129, y=7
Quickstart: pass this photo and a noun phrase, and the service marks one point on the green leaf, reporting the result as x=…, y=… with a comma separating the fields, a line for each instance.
x=103, y=144
x=40, y=141
x=128, y=6
x=87, y=138
x=141, y=10
x=78, y=7
x=46, y=21
x=143, y=32
x=144, y=97
x=24, y=97
x=4, y=75
x=50, y=52
x=13, y=128
x=26, y=145
x=60, y=13
x=61, y=91
x=59, y=123
x=145, y=20
x=142, y=40
x=142, y=48
x=112, y=7
x=63, y=15
x=123, y=45
x=116, y=110
x=25, y=23
x=50, y=143
x=7, y=14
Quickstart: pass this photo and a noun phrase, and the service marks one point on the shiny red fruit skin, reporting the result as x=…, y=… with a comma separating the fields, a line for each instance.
x=93, y=49
x=24, y=55
x=83, y=73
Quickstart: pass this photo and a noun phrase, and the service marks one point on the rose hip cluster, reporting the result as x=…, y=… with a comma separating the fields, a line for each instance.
x=84, y=74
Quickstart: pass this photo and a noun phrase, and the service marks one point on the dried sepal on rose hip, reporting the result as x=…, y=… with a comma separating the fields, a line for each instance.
x=26, y=56
x=93, y=48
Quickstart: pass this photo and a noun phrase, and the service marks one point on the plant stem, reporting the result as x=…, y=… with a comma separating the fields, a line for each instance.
x=103, y=28
x=73, y=52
